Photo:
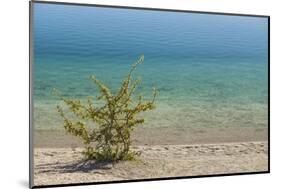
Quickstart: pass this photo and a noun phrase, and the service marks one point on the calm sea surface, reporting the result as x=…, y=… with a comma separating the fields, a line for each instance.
x=210, y=70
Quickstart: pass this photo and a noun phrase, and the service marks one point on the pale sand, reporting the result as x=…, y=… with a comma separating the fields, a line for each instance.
x=65, y=165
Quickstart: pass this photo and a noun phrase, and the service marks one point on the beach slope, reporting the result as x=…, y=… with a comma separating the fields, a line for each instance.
x=66, y=165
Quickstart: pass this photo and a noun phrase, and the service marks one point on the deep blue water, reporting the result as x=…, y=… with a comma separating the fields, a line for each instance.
x=200, y=63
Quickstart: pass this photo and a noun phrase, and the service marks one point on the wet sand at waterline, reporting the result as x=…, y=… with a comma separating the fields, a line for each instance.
x=160, y=136
x=66, y=165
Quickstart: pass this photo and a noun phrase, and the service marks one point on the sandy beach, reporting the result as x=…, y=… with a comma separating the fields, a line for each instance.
x=165, y=152
x=66, y=165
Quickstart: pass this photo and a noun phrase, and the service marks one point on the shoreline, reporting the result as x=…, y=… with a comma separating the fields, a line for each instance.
x=160, y=136
x=66, y=165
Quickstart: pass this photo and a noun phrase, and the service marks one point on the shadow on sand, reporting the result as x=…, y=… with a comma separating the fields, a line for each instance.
x=85, y=166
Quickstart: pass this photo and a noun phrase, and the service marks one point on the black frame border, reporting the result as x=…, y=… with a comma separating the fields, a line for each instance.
x=31, y=155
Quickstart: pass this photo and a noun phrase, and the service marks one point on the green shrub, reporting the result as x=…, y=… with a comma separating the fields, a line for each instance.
x=110, y=140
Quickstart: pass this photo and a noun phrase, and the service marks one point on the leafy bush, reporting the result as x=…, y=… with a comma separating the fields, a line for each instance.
x=110, y=140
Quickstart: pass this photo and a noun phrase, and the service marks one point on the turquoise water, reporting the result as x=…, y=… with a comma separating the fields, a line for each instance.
x=210, y=70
